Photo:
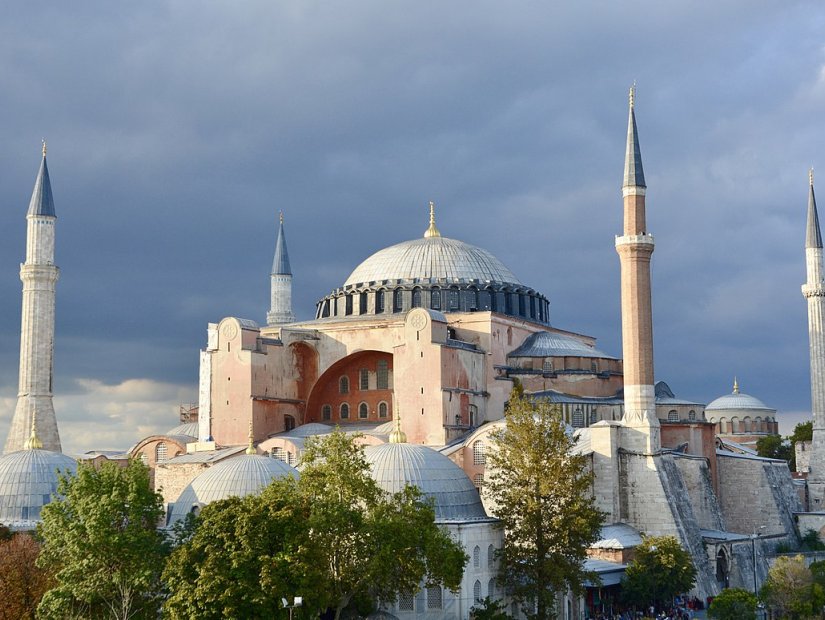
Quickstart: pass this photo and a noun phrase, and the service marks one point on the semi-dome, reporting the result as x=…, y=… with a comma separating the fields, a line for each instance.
x=234, y=477
x=28, y=480
x=737, y=400
x=433, y=272
x=190, y=429
x=396, y=465
x=431, y=259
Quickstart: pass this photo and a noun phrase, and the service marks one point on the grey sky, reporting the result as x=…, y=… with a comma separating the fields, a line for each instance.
x=178, y=130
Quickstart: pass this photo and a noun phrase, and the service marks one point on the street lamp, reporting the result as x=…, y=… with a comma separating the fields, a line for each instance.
x=754, y=536
x=296, y=602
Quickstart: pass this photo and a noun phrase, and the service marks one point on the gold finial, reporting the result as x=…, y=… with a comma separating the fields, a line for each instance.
x=43, y=140
x=397, y=435
x=251, y=448
x=633, y=94
x=33, y=442
x=432, y=231
x=281, y=217
x=811, y=176
x=735, y=386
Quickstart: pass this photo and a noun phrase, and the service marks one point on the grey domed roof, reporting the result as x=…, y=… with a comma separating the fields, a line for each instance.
x=28, y=479
x=554, y=344
x=396, y=465
x=190, y=428
x=239, y=476
x=737, y=400
x=431, y=258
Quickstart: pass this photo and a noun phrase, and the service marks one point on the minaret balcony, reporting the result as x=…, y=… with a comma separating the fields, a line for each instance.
x=643, y=239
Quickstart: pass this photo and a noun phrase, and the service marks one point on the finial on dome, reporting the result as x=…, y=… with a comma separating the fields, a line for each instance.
x=632, y=93
x=33, y=442
x=432, y=231
x=397, y=435
x=281, y=216
x=811, y=177
x=735, y=385
x=44, y=146
x=251, y=447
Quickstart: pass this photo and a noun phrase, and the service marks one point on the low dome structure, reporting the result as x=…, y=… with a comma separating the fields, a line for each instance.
x=738, y=413
x=235, y=477
x=190, y=429
x=28, y=480
x=396, y=465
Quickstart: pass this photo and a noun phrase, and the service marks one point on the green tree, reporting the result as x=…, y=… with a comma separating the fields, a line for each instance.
x=790, y=589
x=333, y=537
x=541, y=490
x=100, y=540
x=774, y=447
x=488, y=609
x=804, y=431
x=660, y=570
x=22, y=583
x=733, y=604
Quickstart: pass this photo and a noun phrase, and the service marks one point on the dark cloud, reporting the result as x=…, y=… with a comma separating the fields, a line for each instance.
x=178, y=130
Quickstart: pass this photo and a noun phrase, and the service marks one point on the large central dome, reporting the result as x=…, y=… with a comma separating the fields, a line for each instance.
x=431, y=258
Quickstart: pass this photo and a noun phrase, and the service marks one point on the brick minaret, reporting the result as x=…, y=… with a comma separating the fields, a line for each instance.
x=814, y=292
x=635, y=247
x=280, y=310
x=39, y=275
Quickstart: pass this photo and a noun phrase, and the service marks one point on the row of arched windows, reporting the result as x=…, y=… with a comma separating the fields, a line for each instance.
x=382, y=378
x=745, y=425
x=363, y=411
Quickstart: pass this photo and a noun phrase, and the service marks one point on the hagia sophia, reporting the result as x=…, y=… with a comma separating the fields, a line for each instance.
x=417, y=351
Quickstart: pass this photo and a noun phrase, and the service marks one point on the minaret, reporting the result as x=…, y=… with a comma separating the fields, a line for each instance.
x=814, y=292
x=280, y=310
x=635, y=247
x=39, y=275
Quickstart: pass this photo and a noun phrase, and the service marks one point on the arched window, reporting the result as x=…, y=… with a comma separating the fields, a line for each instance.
x=277, y=453
x=397, y=300
x=509, y=335
x=416, y=297
x=723, y=425
x=472, y=299
x=434, y=597
x=532, y=307
x=289, y=423
x=477, y=591
x=343, y=385
x=364, y=379
x=344, y=411
x=478, y=481
x=160, y=452
x=491, y=557
x=484, y=299
x=382, y=375
x=692, y=415
x=406, y=601
x=362, y=303
x=522, y=310
x=453, y=299
x=363, y=411
x=746, y=424
x=594, y=417
x=478, y=453
x=348, y=305
x=491, y=588
x=476, y=557
x=435, y=298
x=672, y=416
x=508, y=302
x=291, y=459
x=382, y=410
x=493, y=300
x=379, y=301
x=578, y=418
x=473, y=415
x=548, y=364
x=325, y=310
x=326, y=413
x=757, y=422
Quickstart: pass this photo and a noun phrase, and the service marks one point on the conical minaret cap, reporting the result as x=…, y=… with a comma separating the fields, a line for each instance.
x=280, y=265
x=634, y=175
x=42, y=202
x=813, y=236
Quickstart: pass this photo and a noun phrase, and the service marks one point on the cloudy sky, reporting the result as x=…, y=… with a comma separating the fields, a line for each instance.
x=178, y=130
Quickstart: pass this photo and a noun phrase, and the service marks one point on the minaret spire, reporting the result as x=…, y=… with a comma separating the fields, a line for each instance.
x=432, y=231
x=280, y=309
x=814, y=291
x=39, y=276
x=635, y=248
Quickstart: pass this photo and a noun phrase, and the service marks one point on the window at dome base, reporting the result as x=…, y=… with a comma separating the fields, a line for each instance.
x=379, y=301
x=416, y=297
x=435, y=299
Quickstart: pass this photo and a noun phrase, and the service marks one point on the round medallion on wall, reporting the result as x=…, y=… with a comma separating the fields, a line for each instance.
x=230, y=330
x=418, y=319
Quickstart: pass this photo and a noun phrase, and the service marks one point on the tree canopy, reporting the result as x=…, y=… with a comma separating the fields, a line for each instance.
x=100, y=540
x=660, y=570
x=541, y=490
x=774, y=447
x=733, y=604
x=791, y=590
x=333, y=537
x=22, y=583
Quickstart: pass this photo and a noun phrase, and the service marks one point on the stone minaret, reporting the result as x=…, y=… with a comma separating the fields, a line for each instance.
x=814, y=292
x=39, y=275
x=635, y=247
x=280, y=309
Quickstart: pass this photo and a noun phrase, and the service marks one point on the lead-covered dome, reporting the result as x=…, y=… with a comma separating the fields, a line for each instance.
x=28, y=480
x=431, y=259
x=738, y=401
x=234, y=477
x=396, y=465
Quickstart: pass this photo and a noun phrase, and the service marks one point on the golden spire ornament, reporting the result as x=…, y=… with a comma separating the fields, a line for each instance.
x=735, y=385
x=251, y=447
x=432, y=231
x=397, y=435
x=33, y=442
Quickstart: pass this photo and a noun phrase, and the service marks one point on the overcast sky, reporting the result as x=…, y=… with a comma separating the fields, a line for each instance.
x=178, y=130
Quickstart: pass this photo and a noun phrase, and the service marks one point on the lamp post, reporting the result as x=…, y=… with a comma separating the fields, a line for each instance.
x=296, y=602
x=754, y=536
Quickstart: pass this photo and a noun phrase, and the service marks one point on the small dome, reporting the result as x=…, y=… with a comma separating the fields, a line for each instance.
x=737, y=400
x=28, y=479
x=554, y=344
x=234, y=477
x=308, y=430
x=396, y=465
x=190, y=428
x=431, y=258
